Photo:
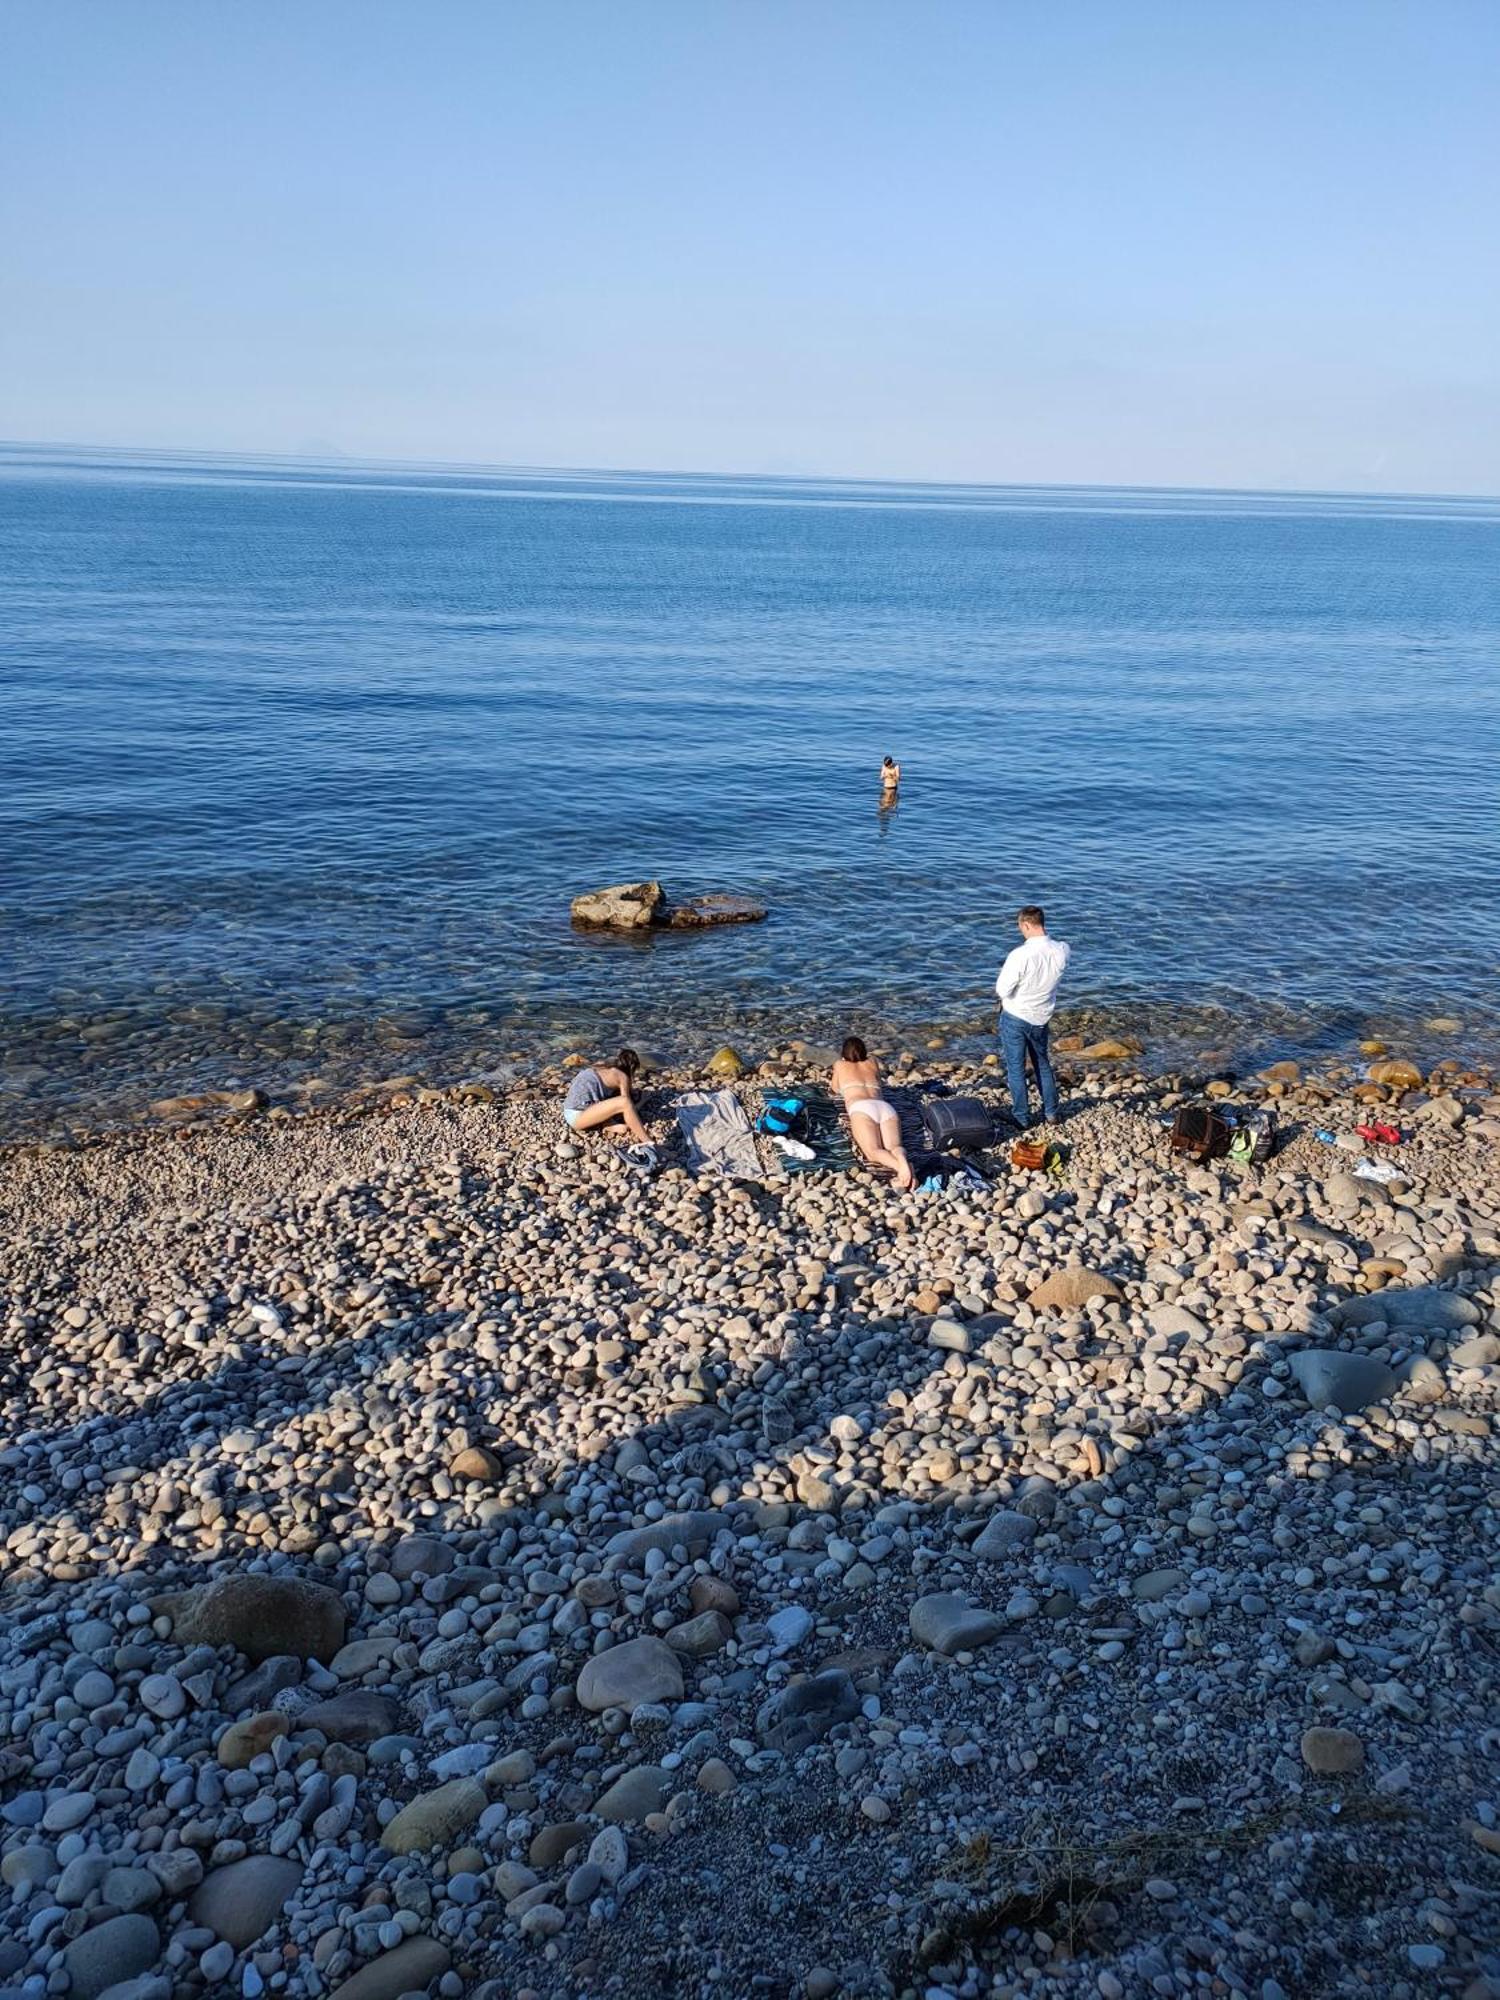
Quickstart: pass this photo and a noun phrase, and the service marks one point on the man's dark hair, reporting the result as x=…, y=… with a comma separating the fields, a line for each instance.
x=855, y=1050
x=1032, y=914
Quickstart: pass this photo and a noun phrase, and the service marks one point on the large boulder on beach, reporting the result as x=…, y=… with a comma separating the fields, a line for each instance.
x=624, y=1676
x=947, y=1622
x=1066, y=1291
x=797, y=1716
x=261, y=1616
x=118, y=1949
x=628, y=906
x=436, y=1818
x=240, y=1901
x=358, y=1716
x=409, y=1967
x=1329, y=1376
x=1421, y=1306
x=692, y=1531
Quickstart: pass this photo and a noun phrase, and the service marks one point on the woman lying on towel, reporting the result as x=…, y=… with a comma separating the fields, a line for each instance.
x=873, y=1122
x=602, y=1093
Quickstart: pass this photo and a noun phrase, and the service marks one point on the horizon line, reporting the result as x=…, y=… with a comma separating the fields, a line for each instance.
x=490, y=468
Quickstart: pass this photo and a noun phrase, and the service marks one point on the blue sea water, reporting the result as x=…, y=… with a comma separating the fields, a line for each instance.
x=302, y=763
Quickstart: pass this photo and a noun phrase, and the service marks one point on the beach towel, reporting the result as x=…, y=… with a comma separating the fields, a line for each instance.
x=832, y=1145
x=717, y=1134
x=826, y=1135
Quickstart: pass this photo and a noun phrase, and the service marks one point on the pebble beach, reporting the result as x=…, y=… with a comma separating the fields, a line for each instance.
x=435, y=1559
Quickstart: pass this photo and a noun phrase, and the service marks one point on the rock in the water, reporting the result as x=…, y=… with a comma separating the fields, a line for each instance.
x=410, y=1968
x=1481, y=1350
x=640, y=1670
x=726, y=1062
x=1065, y=1291
x=703, y=912
x=262, y=1616
x=1420, y=1306
x=947, y=1622
x=116, y=1950
x=1332, y=1753
x=1396, y=1074
x=174, y=1110
x=1349, y=1382
x=242, y=1900
x=798, y=1716
x=436, y=1817
x=628, y=906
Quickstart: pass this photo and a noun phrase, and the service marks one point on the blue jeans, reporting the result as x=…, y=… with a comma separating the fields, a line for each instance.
x=1018, y=1040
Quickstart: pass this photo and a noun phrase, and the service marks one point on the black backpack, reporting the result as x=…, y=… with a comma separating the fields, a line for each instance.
x=1253, y=1139
x=957, y=1125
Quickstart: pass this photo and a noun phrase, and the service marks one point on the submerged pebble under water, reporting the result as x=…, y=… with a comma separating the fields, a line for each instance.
x=303, y=764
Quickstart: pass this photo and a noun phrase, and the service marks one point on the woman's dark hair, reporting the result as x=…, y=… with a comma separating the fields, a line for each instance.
x=628, y=1061
x=855, y=1050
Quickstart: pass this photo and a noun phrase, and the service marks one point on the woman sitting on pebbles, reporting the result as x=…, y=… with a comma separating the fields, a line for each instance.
x=601, y=1093
x=872, y=1118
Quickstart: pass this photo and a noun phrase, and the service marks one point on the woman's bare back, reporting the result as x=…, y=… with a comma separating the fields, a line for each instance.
x=855, y=1081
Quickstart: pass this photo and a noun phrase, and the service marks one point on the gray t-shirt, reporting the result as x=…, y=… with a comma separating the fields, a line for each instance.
x=587, y=1088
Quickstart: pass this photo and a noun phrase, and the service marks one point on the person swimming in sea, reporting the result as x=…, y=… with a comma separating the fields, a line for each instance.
x=873, y=1121
x=890, y=775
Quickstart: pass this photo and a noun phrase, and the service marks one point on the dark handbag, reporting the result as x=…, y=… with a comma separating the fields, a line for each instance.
x=957, y=1125
x=1199, y=1133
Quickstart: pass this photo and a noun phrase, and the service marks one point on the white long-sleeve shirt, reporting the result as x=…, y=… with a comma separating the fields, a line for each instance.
x=1027, y=984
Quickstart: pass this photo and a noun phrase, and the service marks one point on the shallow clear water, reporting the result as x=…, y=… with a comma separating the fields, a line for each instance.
x=302, y=764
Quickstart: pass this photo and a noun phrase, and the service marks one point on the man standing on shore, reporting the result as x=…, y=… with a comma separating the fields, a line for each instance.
x=1027, y=987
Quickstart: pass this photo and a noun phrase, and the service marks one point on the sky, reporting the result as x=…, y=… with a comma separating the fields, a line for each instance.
x=1035, y=241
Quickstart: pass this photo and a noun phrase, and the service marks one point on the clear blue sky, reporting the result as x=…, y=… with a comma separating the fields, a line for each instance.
x=1216, y=242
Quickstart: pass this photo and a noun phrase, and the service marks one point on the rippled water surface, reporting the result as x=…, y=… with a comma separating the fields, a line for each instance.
x=303, y=763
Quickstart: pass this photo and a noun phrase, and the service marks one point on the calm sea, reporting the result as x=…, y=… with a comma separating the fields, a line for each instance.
x=303, y=762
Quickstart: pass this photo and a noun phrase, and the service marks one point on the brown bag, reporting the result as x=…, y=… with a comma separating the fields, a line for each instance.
x=1029, y=1154
x=1199, y=1133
